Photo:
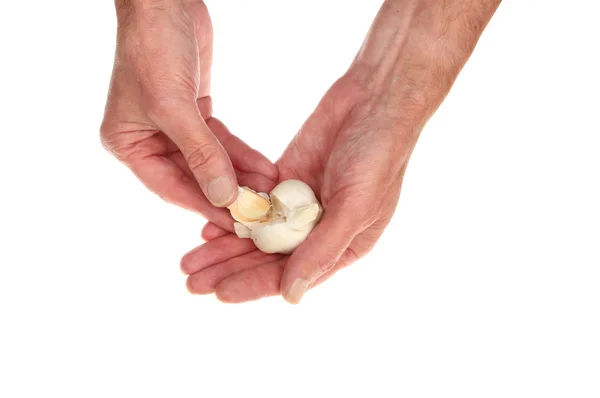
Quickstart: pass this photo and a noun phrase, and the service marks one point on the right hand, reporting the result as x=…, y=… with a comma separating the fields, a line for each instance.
x=158, y=118
x=353, y=152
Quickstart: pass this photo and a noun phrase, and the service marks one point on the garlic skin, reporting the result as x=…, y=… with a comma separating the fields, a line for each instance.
x=293, y=213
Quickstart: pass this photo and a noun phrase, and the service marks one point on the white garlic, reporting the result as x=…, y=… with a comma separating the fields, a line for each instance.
x=281, y=224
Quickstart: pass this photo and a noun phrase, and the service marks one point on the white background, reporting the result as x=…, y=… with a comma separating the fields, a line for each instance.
x=486, y=284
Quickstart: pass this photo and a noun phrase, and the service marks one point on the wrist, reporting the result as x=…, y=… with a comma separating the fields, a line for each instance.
x=147, y=3
x=125, y=8
x=415, y=50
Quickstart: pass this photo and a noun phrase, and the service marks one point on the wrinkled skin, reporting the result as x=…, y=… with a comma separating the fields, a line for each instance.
x=353, y=153
x=353, y=150
x=158, y=119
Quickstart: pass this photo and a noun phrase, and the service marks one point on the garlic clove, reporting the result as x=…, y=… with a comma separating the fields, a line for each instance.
x=279, y=207
x=242, y=231
x=305, y=215
x=249, y=206
x=292, y=194
x=278, y=238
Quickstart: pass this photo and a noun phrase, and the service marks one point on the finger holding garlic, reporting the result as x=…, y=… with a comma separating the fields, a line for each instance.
x=278, y=222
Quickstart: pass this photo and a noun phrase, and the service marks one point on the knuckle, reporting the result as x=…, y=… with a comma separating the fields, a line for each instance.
x=248, y=158
x=325, y=266
x=201, y=157
x=107, y=139
x=112, y=142
x=160, y=105
x=353, y=255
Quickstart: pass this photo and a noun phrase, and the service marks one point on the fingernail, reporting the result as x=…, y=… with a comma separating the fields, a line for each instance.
x=221, y=190
x=296, y=291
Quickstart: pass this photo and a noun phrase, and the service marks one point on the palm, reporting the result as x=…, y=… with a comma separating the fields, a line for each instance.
x=330, y=156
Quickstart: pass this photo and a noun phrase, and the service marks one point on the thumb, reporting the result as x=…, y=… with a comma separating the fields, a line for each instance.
x=204, y=154
x=320, y=252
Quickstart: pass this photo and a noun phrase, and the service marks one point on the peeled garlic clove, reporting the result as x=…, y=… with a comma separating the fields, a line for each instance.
x=249, y=206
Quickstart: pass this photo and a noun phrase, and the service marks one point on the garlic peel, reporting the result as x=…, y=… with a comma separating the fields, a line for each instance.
x=264, y=195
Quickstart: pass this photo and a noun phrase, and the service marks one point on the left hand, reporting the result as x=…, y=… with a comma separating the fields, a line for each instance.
x=158, y=119
x=353, y=153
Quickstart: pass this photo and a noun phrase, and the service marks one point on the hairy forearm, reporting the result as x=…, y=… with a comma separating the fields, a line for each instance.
x=126, y=8
x=416, y=48
x=146, y=3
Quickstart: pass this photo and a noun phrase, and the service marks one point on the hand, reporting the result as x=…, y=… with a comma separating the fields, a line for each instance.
x=158, y=118
x=353, y=152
